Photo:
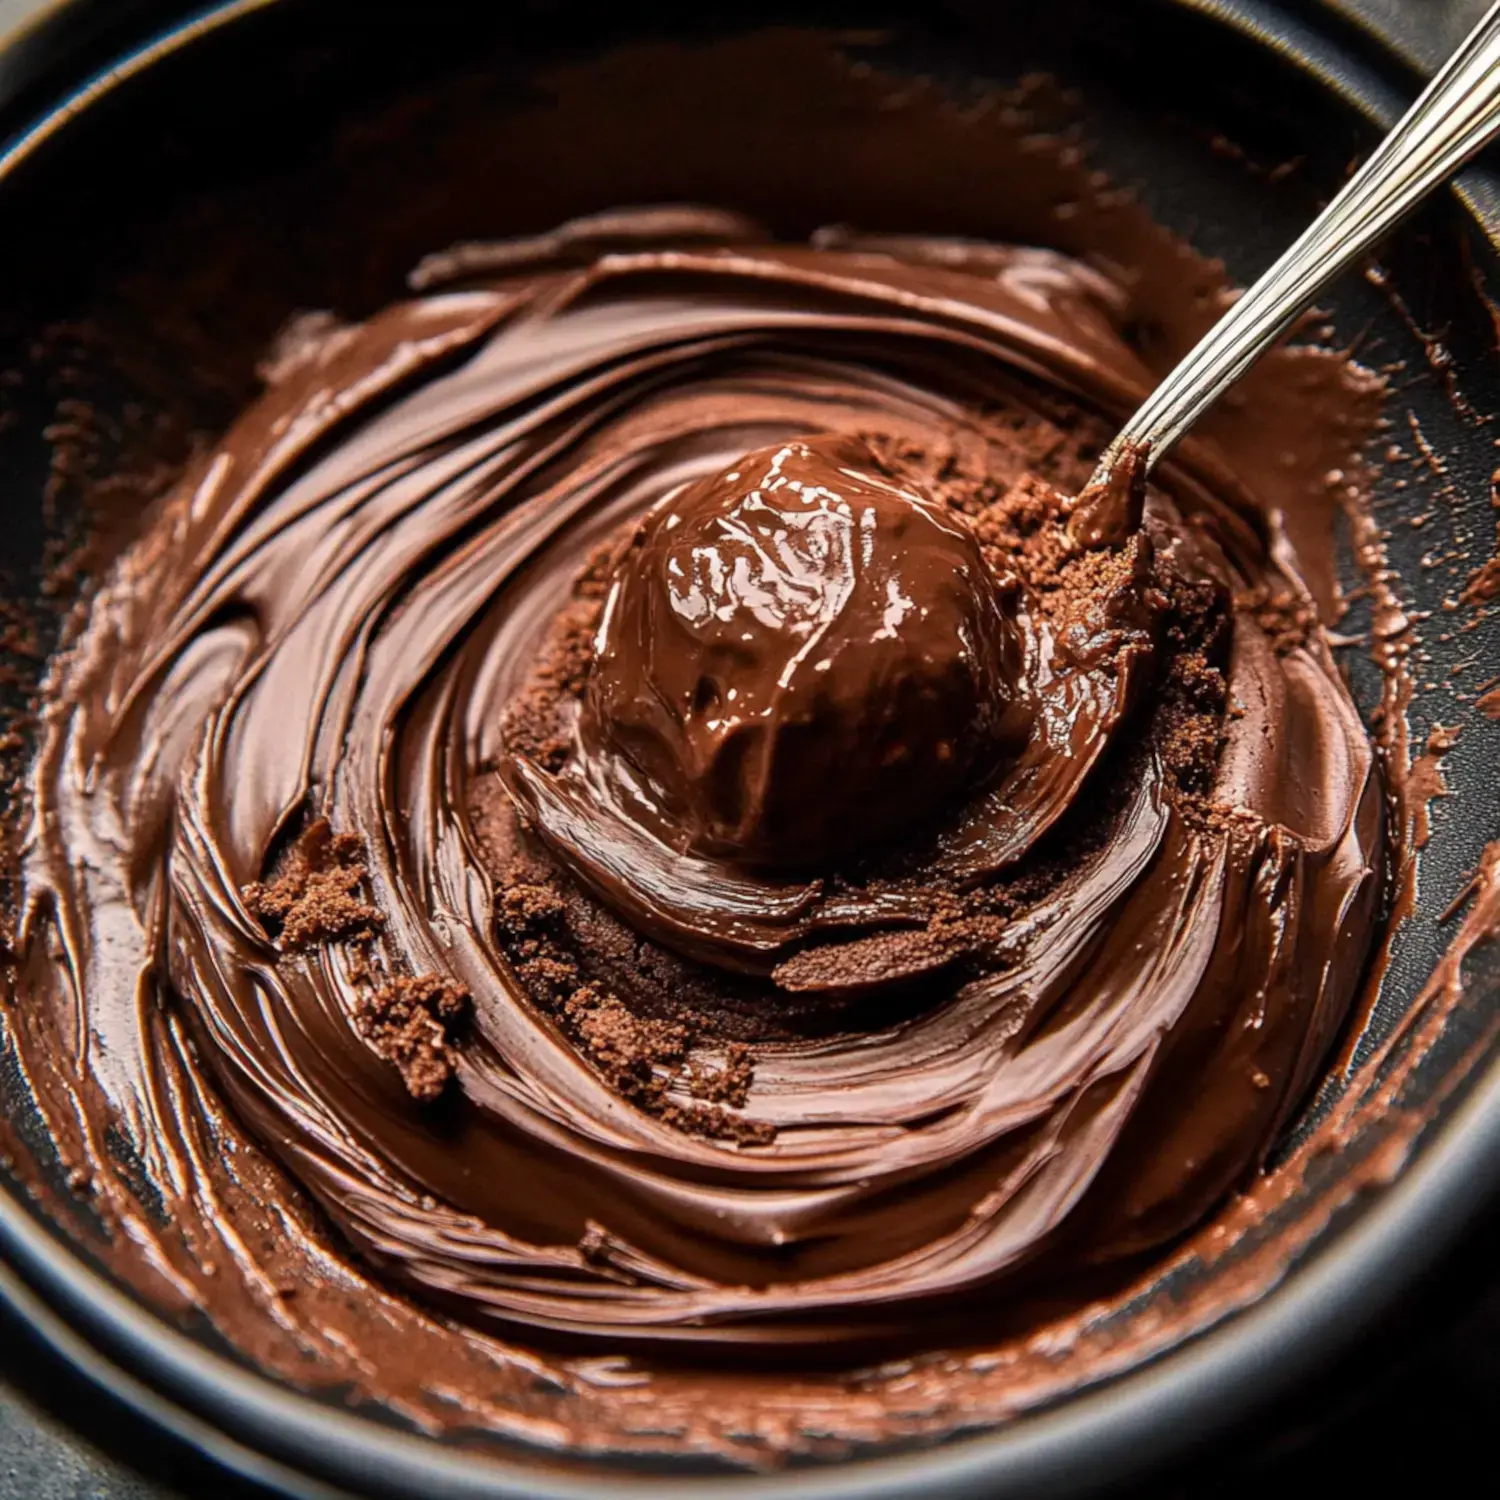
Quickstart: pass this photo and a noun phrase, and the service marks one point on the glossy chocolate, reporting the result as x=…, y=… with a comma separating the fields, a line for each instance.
x=799, y=658
x=338, y=604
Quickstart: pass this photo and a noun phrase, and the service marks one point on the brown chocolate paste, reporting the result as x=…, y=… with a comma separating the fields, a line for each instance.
x=345, y=596
x=798, y=659
x=297, y=844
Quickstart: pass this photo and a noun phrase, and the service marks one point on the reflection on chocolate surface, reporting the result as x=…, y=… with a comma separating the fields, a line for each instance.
x=799, y=657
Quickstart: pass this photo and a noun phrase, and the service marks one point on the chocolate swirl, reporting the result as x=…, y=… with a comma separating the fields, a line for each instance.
x=1118, y=960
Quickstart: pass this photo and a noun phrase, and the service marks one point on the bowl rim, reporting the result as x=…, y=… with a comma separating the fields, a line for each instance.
x=269, y=1433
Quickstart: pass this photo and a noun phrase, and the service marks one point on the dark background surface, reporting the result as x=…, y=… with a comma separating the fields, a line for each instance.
x=1415, y=1410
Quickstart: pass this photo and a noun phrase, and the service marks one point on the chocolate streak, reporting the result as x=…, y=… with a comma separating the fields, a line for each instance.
x=343, y=596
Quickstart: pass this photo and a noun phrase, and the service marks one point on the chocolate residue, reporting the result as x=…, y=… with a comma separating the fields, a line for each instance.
x=1483, y=586
x=1424, y=781
x=644, y=1058
x=1035, y=984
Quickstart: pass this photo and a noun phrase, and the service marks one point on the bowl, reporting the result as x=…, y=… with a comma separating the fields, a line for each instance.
x=264, y=141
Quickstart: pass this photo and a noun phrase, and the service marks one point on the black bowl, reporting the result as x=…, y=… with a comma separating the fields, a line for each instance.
x=110, y=134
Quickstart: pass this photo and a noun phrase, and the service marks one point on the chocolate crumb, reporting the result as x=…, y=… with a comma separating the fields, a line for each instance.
x=412, y=1023
x=644, y=1059
x=729, y=1084
x=714, y=1122
x=888, y=957
x=313, y=897
x=537, y=723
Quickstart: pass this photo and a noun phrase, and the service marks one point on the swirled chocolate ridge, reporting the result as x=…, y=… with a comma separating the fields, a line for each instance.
x=337, y=606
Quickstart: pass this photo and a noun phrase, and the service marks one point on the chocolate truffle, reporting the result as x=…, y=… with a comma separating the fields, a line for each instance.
x=802, y=657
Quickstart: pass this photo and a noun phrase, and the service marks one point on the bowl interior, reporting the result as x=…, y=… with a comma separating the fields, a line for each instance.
x=308, y=155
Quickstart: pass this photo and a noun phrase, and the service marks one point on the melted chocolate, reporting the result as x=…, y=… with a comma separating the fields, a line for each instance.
x=352, y=586
x=797, y=658
x=363, y=663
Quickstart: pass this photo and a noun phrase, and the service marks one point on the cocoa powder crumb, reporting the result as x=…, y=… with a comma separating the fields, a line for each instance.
x=626, y=1048
x=537, y=723
x=313, y=896
x=714, y=1122
x=642, y=1058
x=525, y=906
x=729, y=1084
x=413, y=1022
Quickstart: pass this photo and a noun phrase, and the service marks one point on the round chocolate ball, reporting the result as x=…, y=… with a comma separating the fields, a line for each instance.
x=800, y=658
